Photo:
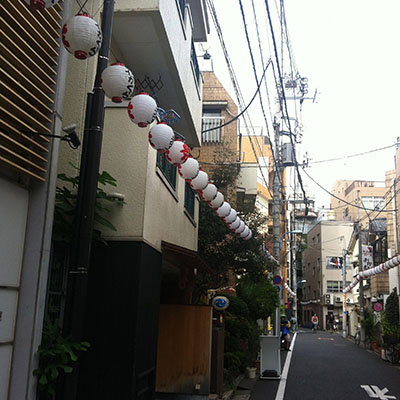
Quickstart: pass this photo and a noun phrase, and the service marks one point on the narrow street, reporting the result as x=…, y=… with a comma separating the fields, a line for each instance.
x=327, y=366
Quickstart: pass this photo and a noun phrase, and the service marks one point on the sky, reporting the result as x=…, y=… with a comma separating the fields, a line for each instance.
x=348, y=50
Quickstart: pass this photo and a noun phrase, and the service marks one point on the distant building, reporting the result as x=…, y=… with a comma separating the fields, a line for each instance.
x=321, y=264
x=349, y=194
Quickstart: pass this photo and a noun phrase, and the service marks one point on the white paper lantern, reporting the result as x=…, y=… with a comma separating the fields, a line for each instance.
x=245, y=232
x=249, y=236
x=240, y=228
x=41, y=4
x=217, y=201
x=81, y=36
x=177, y=153
x=224, y=210
x=209, y=192
x=117, y=82
x=161, y=136
x=231, y=216
x=142, y=109
x=189, y=169
x=200, y=182
x=235, y=224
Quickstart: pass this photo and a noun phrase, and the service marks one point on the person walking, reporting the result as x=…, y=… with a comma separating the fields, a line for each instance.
x=314, y=320
x=331, y=322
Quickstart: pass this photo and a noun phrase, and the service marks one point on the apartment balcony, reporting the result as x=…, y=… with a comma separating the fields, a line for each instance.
x=247, y=182
x=155, y=39
x=215, y=135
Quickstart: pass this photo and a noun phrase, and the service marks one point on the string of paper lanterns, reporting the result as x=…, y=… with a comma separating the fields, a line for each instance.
x=82, y=37
x=290, y=291
x=161, y=137
x=392, y=263
x=41, y=4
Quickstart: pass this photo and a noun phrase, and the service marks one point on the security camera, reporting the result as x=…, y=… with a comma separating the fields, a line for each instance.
x=116, y=196
x=71, y=136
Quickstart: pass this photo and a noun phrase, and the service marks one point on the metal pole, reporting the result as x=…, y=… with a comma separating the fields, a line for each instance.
x=275, y=219
x=360, y=268
x=89, y=170
x=344, y=322
x=275, y=199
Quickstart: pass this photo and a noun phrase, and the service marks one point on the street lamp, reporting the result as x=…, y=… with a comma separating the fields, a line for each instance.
x=300, y=282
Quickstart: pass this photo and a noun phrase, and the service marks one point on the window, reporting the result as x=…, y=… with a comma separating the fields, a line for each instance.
x=168, y=170
x=212, y=119
x=318, y=238
x=195, y=63
x=335, y=286
x=189, y=200
x=373, y=203
x=182, y=4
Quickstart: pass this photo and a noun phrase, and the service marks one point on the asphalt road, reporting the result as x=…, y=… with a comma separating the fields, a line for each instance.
x=329, y=367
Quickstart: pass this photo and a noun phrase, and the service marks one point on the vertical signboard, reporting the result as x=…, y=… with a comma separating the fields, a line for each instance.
x=367, y=257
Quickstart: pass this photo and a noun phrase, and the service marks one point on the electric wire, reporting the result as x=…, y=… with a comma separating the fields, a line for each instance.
x=262, y=60
x=256, y=79
x=284, y=100
x=248, y=105
x=338, y=198
x=353, y=155
x=234, y=82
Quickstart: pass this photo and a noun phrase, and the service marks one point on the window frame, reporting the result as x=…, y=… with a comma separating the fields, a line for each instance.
x=189, y=202
x=167, y=170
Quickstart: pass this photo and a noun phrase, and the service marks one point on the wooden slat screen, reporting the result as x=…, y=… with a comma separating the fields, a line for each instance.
x=29, y=49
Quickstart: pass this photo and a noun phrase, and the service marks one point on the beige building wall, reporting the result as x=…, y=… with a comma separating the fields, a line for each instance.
x=153, y=211
x=350, y=192
x=326, y=239
x=216, y=96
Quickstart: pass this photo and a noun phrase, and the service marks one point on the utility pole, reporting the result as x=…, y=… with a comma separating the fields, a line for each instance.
x=75, y=308
x=276, y=219
x=276, y=196
x=344, y=321
x=360, y=268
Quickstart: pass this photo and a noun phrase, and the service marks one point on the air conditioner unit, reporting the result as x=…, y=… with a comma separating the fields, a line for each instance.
x=328, y=299
x=339, y=300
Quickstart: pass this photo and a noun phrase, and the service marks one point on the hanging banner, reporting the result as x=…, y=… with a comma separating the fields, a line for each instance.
x=367, y=257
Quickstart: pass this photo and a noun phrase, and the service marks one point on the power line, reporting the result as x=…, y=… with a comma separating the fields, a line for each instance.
x=284, y=100
x=235, y=84
x=343, y=200
x=256, y=79
x=248, y=105
x=353, y=155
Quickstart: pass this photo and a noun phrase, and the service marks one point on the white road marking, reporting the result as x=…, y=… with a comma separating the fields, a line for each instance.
x=376, y=393
x=282, y=384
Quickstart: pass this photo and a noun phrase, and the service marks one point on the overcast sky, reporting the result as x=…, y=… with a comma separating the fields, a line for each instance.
x=349, y=51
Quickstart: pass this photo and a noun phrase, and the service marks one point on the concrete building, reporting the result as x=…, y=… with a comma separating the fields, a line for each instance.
x=151, y=258
x=218, y=109
x=32, y=81
x=322, y=289
x=156, y=237
x=367, y=194
x=394, y=274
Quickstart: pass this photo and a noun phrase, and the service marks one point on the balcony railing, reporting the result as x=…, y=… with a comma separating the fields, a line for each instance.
x=214, y=136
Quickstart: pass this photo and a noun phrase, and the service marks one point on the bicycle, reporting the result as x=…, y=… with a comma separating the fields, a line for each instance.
x=391, y=350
